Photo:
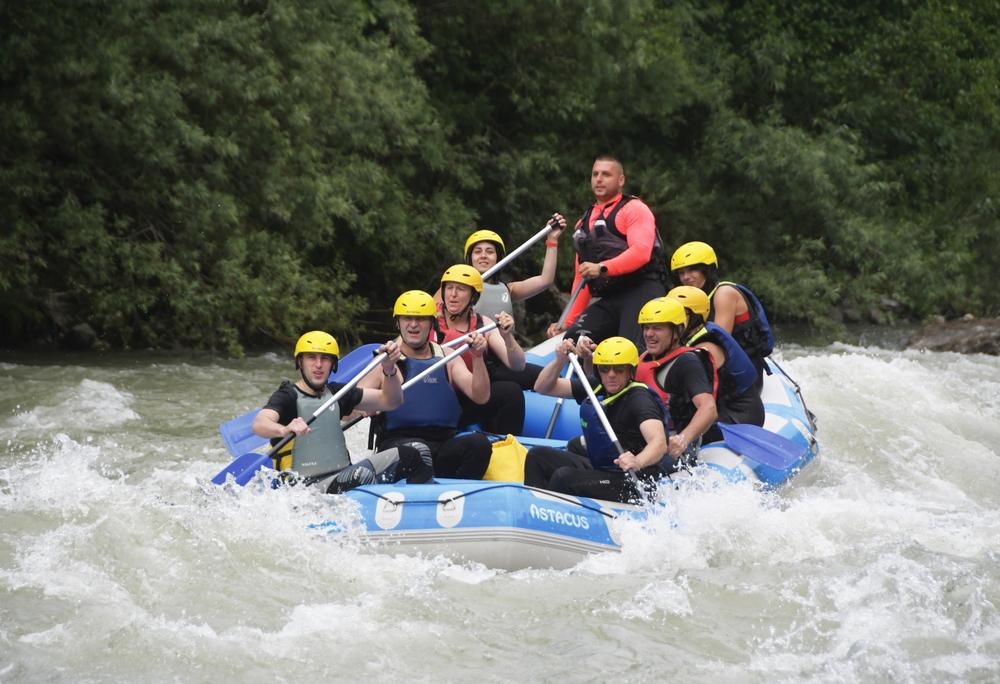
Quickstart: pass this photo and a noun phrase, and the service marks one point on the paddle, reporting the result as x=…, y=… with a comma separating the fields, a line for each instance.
x=559, y=324
x=453, y=355
x=237, y=433
x=420, y=376
x=763, y=446
x=244, y=467
x=555, y=411
x=495, y=268
x=575, y=362
x=569, y=304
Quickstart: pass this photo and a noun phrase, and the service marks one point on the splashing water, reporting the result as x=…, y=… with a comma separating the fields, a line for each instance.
x=119, y=561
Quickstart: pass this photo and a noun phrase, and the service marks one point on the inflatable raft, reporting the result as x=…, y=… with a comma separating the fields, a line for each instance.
x=510, y=526
x=499, y=524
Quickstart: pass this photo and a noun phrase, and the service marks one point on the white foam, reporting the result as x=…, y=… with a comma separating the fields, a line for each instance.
x=90, y=405
x=881, y=567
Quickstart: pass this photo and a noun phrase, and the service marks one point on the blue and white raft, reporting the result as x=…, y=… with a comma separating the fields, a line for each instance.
x=499, y=524
x=507, y=525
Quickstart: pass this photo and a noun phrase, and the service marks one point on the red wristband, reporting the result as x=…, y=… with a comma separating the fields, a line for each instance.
x=551, y=243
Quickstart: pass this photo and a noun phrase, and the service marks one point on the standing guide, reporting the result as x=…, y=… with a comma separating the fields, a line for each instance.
x=619, y=255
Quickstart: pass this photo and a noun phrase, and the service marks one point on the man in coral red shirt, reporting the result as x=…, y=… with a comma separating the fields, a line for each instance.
x=620, y=256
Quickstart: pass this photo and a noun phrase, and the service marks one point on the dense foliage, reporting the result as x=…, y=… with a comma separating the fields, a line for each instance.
x=219, y=175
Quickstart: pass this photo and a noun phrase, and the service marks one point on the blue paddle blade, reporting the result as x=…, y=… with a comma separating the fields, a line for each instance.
x=243, y=468
x=354, y=362
x=238, y=436
x=763, y=446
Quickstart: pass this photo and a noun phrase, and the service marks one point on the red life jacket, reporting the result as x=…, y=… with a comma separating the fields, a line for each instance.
x=681, y=409
x=446, y=334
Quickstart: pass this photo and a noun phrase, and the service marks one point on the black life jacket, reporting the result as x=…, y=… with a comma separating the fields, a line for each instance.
x=754, y=335
x=604, y=241
x=680, y=406
x=738, y=374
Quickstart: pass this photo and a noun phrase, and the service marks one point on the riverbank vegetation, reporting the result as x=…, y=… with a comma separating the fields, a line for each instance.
x=223, y=175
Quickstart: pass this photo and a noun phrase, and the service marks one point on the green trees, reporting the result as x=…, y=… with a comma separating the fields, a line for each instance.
x=829, y=159
x=211, y=174
x=912, y=89
x=218, y=174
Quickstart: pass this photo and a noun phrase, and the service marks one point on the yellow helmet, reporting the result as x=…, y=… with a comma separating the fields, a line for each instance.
x=464, y=274
x=615, y=351
x=318, y=342
x=415, y=303
x=693, y=298
x=662, y=310
x=485, y=235
x=693, y=254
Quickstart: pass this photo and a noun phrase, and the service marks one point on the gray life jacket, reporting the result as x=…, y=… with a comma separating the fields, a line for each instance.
x=324, y=449
x=494, y=299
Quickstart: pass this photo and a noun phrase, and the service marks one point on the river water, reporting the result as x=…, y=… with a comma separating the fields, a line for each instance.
x=119, y=561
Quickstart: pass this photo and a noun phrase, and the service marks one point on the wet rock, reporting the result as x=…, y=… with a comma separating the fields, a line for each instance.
x=967, y=335
x=81, y=337
x=877, y=316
